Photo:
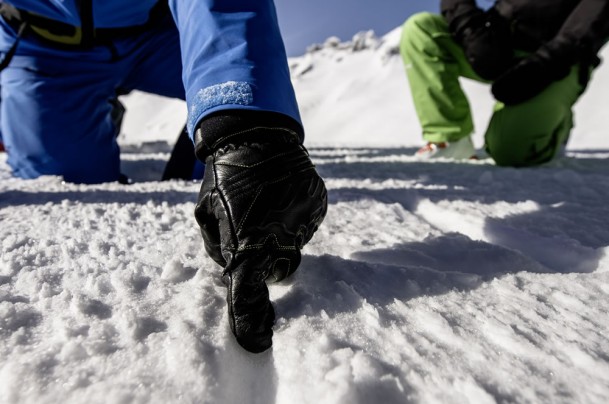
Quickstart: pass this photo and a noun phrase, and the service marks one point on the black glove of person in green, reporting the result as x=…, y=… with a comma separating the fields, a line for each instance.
x=483, y=35
x=261, y=201
x=530, y=76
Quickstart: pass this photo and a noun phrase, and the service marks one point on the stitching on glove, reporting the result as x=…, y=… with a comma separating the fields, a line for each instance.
x=256, y=164
x=262, y=187
x=259, y=246
x=234, y=240
x=250, y=208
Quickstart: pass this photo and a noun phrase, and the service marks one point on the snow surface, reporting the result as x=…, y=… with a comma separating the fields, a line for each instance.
x=428, y=281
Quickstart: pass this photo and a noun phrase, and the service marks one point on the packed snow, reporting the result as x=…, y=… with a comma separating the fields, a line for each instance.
x=428, y=281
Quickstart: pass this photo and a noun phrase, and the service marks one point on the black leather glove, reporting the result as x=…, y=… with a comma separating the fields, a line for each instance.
x=261, y=201
x=462, y=15
x=484, y=36
x=530, y=77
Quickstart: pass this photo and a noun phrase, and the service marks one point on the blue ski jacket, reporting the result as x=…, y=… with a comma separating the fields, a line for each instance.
x=233, y=56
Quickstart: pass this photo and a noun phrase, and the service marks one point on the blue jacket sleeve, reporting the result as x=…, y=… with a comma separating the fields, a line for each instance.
x=233, y=58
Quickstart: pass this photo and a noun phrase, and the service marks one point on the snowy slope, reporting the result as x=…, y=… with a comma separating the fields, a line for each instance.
x=365, y=100
x=428, y=282
x=355, y=93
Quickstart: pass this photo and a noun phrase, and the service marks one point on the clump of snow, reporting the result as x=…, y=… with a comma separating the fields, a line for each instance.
x=427, y=282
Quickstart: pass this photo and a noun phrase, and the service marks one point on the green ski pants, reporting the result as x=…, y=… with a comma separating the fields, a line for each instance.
x=520, y=135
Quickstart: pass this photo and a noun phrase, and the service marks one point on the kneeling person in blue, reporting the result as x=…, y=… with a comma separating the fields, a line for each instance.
x=261, y=198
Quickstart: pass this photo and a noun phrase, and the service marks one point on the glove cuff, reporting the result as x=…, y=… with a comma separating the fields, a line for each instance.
x=239, y=126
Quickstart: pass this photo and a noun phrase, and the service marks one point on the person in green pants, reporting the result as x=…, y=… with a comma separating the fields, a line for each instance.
x=536, y=54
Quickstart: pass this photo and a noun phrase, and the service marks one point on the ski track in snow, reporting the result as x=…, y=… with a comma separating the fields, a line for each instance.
x=427, y=282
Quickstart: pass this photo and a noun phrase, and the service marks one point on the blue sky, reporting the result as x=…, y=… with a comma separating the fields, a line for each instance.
x=306, y=22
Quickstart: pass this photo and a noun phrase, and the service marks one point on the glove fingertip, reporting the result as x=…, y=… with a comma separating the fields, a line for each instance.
x=258, y=344
x=255, y=338
x=251, y=313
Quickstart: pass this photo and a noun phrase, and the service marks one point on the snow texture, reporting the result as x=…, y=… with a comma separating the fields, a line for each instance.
x=428, y=281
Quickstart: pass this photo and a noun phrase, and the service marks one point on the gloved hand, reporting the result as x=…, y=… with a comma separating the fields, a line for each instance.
x=484, y=36
x=261, y=200
x=530, y=77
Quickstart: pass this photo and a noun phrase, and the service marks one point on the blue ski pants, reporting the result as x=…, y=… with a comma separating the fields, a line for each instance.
x=56, y=114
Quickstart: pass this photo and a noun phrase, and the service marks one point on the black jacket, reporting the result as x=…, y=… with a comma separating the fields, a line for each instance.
x=576, y=29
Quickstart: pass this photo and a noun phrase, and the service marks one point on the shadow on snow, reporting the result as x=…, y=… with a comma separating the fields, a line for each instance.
x=565, y=234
